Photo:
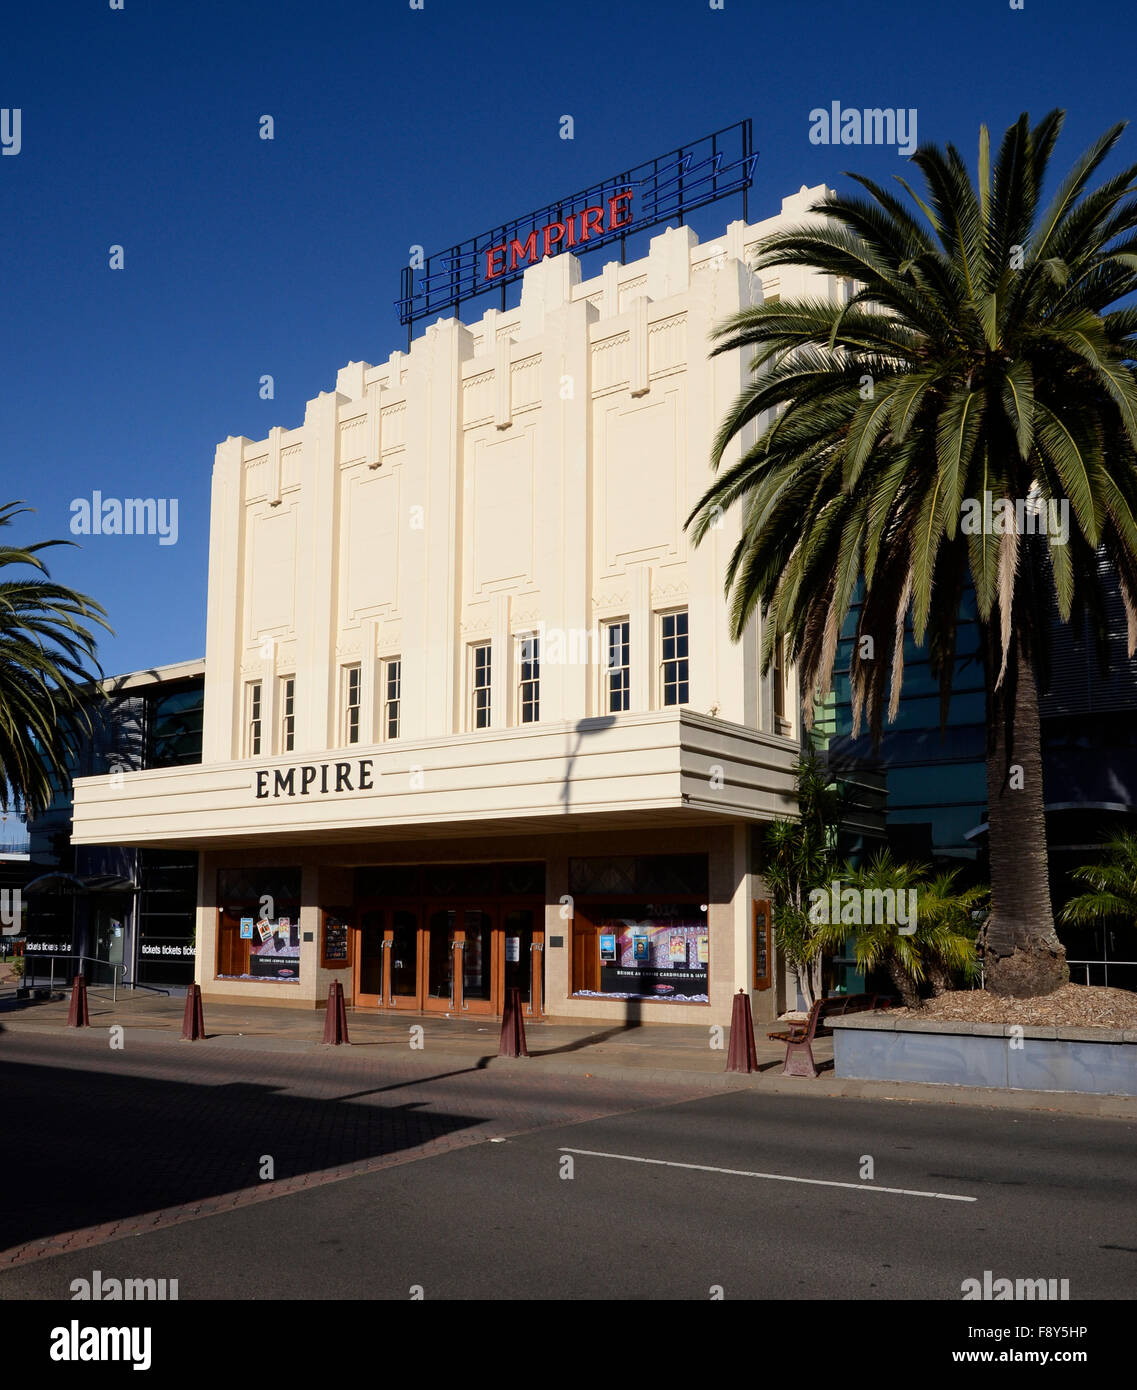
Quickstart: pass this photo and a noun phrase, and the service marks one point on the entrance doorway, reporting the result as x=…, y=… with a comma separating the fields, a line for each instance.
x=387, y=954
x=448, y=957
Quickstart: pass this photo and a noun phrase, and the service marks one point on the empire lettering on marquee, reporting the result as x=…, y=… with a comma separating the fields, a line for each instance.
x=301, y=780
x=575, y=230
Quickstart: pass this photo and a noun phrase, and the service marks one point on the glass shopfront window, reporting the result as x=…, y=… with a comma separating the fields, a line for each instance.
x=258, y=924
x=647, y=951
x=167, y=916
x=628, y=946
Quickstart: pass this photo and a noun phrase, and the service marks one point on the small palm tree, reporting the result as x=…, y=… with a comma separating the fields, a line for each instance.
x=45, y=647
x=982, y=356
x=1113, y=886
x=942, y=945
x=801, y=855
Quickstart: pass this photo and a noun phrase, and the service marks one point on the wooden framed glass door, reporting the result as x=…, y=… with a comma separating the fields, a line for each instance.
x=523, y=948
x=463, y=960
x=448, y=956
x=367, y=984
x=402, y=949
x=480, y=949
x=440, y=982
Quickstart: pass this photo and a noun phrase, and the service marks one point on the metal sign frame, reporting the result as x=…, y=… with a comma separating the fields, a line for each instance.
x=663, y=189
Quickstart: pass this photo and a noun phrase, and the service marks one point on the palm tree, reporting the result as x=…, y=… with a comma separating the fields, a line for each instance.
x=937, y=946
x=1113, y=886
x=801, y=855
x=978, y=356
x=45, y=645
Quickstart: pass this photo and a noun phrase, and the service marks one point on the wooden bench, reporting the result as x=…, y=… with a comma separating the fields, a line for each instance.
x=801, y=1033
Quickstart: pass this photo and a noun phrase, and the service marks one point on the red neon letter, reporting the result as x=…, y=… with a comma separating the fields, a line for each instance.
x=613, y=210
x=492, y=254
x=528, y=249
x=557, y=227
x=591, y=220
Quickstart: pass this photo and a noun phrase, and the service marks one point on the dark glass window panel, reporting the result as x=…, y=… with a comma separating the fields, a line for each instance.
x=658, y=874
x=394, y=696
x=522, y=880
x=404, y=953
x=518, y=926
x=440, y=954
x=477, y=956
x=619, y=674
x=173, y=727
x=167, y=900
x=675, y=665
x=371, y=953
x=388, y=881
x=240, y=890
x=458, y=880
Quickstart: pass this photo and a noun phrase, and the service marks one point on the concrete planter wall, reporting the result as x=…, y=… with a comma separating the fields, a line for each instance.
x=875, y=1047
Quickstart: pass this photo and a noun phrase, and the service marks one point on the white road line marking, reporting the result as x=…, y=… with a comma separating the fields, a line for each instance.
x=774, y=1177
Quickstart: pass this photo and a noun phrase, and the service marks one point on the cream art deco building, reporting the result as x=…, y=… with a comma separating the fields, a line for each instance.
x=473, y=718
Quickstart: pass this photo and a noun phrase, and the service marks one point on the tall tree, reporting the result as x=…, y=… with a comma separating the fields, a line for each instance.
x=978, y=360
x=47, y=651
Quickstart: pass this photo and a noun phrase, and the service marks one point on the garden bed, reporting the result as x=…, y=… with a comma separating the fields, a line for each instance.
x=1072, y=1006
x=1080, y=1038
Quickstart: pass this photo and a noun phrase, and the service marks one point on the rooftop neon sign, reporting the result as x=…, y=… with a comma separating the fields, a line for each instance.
x=662, y=189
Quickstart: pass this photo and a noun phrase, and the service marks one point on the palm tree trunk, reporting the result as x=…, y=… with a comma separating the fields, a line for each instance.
x=905, y=985
x=1022, y=953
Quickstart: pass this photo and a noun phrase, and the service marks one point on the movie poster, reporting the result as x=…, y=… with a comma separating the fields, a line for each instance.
x=276, y=956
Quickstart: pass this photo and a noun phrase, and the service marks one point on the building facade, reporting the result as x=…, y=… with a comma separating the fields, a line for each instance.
x=125, y=910
x=473, y=717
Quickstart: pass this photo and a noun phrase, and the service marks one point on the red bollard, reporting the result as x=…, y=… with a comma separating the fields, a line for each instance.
x=77, y=1015
x=193, y=1023
x=742, y=1055
x=512, y=1027
x=335, y=1022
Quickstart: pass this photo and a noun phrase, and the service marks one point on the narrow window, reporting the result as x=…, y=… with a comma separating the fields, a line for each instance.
x=288, y=714
x=778, y=681
x=253, y=725
x=617, y=670
x=352, y=686
x=480, y=686
x=529, y=686
x=392, y=695
x=673, y=658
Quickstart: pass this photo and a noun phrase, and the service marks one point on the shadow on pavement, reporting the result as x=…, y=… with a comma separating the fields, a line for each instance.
x=86, y=1147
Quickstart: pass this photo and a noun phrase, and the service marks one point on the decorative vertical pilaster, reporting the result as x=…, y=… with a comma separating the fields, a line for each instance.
x=503, y=384
x=374, y=424
x=637, y=347
x=275, y=435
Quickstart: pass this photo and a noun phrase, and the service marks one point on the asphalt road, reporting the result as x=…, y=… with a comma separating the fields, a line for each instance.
x=496, y=1215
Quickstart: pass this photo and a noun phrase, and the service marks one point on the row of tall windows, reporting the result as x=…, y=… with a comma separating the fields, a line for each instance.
x=672, y=686
x=389, y=704
x=672, y=676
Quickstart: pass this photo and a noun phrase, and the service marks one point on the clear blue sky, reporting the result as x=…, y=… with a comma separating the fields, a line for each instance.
x=393, y=127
